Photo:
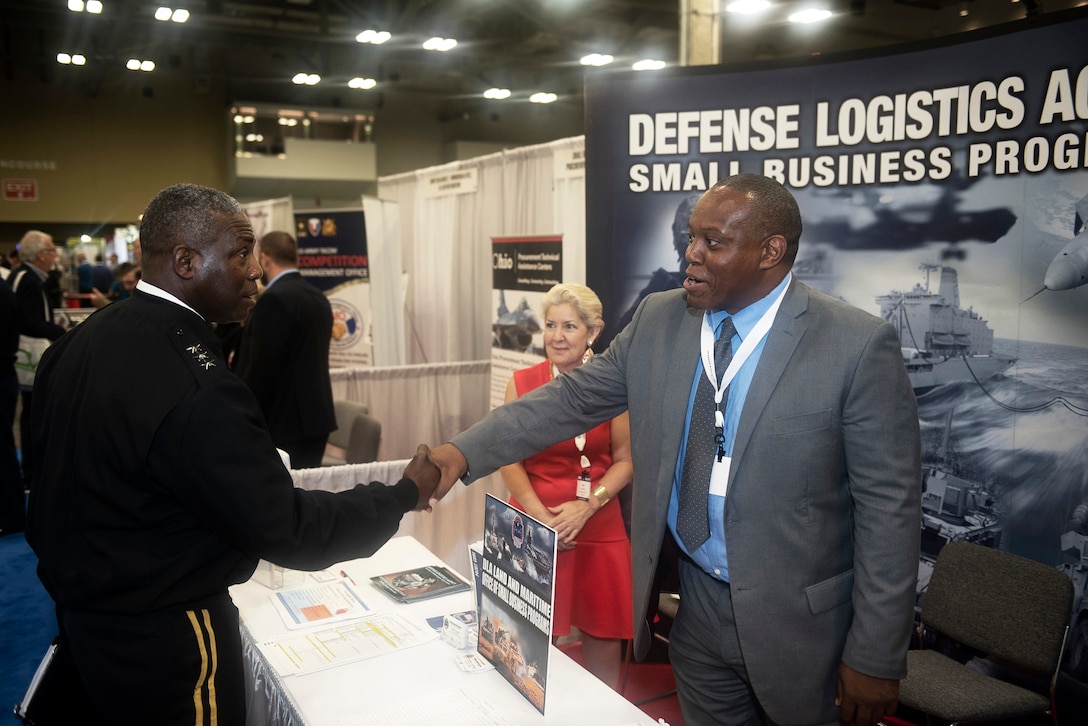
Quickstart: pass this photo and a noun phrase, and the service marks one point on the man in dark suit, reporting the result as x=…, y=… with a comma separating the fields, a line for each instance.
x=141, y=523
x=32, y=282
x=101, y=276
x=284, y=354
x=797, y=598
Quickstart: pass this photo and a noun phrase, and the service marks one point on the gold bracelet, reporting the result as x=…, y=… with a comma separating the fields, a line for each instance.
x=602, y=495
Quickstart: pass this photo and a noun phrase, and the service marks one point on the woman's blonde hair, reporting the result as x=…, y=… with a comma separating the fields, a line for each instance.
x=580, y=297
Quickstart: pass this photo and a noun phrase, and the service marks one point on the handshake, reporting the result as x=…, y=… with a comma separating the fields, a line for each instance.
x=434, y=472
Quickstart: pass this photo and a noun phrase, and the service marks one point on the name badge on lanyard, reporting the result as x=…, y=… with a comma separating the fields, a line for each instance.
x=583, y=486
x=719, y=474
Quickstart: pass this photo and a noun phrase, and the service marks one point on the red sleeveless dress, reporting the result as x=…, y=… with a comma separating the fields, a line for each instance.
x=593, y=580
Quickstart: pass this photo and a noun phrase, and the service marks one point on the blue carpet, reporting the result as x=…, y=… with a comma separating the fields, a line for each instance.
x=28, y=621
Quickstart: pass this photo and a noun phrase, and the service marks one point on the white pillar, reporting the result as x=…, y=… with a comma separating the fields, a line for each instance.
x=700, y=33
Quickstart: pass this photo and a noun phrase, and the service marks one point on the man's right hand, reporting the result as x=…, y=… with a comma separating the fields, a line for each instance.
x=98, y=300
x=453, y=465
x=425, y=474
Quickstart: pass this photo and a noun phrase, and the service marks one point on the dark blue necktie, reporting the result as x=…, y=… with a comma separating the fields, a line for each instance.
x=692, y=520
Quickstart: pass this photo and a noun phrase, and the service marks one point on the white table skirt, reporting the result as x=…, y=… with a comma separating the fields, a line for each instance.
x=324, y=697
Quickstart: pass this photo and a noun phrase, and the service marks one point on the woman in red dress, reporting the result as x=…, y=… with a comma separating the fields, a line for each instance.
x=569, y=486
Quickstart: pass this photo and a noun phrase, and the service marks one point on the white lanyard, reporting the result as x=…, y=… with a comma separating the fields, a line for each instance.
x=759, y=332
x=580, y=442
x=580, y=439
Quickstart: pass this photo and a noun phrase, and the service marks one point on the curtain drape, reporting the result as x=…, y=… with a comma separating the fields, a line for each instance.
x=446, y=248
x=426, y=404
x=386, y=281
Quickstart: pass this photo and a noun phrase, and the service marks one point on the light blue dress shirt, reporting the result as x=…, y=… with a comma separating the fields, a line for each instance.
x=284, y=272
x=711, y=555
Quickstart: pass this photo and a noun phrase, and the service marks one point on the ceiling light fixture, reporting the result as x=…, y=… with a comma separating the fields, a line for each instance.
x=364, y=84
x=93, y=7
x=440, y=44
x=73, y=59
x=497, y=94
x=810, y=15
x=543, y=97
x=648, y=64
x=747, y=7
x=374, y=37
x=180, y=15
x=597, y=59
x=135, y=64
x=306, y=79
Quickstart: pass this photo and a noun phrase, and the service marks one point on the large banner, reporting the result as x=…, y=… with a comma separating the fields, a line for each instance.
x=332, y=254
x=523, y=269
x=944, y=189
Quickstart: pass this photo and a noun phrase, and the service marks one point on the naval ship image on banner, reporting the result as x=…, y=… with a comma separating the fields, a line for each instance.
x=942, y=342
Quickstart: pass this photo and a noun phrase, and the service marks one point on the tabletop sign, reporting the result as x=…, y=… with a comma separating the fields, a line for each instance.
x=517, y=587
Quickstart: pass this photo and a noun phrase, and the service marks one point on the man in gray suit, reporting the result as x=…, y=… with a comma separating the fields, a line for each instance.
x=797, y=607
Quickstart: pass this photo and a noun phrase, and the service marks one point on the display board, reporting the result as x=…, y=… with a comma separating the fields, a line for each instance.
x=943, y=188
x=523, y=269
x=332, y=254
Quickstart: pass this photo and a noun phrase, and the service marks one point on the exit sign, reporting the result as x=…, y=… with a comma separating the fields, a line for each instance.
x=20, y=190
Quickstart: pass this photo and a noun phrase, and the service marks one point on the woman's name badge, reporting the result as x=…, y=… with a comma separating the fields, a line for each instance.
x=719, y=475
x=583, y=486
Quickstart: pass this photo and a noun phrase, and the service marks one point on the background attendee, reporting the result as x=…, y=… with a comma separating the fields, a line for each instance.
x=35, y=289
x=84, y=278
x=284, y=354
x=141, y=525
x=54, y=286
x=568, y=487
x=12, y=498
x=797, y=580
x=128, y=274
x=102, y=275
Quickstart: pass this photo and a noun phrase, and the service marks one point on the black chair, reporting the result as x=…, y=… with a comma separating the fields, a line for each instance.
x=997, y=609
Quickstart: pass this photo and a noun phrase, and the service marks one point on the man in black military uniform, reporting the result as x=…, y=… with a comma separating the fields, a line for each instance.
x=142, y=521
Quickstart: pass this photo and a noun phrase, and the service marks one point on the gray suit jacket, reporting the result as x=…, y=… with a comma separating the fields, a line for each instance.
x=823, y=506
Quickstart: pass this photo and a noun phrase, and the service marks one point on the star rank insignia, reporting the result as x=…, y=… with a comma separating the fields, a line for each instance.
x=201, y=356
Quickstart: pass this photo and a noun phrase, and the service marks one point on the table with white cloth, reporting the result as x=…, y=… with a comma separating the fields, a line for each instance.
x=356, y=691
